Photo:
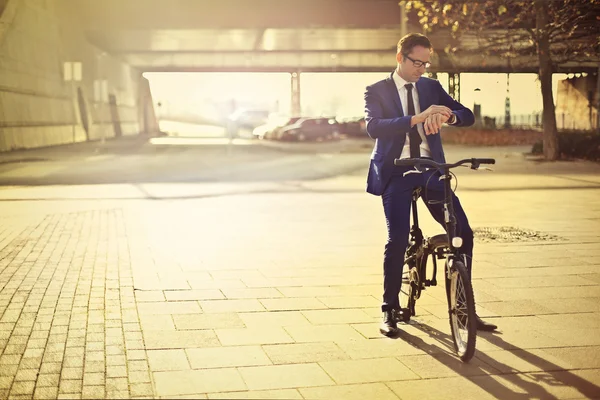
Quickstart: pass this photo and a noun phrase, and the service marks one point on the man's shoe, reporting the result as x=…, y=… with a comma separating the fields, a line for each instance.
x=484, y=326
x=388, y=326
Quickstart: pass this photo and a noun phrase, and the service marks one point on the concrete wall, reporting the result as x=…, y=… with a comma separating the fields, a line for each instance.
x=573, y=103
x=37, y=106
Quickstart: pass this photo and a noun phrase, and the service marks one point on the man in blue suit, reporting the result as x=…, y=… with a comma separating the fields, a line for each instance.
x=404, y=114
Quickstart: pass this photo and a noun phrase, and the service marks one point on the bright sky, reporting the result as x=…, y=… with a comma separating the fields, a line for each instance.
x=339, y=94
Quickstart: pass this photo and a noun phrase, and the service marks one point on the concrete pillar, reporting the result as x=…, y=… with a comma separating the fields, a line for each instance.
x=477, y=107
x=598, y=101
x=296, y=107
x=507, y=117
x=402, y=5
x=454, y=86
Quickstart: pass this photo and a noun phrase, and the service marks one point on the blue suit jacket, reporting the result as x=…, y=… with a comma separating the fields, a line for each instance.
x=387, y=124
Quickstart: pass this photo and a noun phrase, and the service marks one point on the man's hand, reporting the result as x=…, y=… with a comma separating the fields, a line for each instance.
x=434, y=109
x=434, y=122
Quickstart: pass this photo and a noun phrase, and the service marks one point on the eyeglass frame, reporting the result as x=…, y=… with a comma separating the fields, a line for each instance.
x=420, y=63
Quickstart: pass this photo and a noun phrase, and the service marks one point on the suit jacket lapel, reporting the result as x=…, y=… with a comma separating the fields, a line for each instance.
x=424, y=103
x=394, y=93
x=423, y=100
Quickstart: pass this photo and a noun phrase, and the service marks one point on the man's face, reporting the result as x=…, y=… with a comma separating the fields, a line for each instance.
x=408, y=70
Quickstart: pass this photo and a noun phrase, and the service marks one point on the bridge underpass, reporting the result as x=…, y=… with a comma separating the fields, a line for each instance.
x=84, y=79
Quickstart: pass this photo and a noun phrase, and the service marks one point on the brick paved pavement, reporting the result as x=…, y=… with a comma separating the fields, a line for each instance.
x=271, y=290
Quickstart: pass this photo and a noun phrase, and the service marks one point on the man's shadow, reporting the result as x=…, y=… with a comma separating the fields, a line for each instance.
x=479, y=372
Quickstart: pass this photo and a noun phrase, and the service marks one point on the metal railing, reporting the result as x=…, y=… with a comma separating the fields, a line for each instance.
x=520, y=121
x=534, y=122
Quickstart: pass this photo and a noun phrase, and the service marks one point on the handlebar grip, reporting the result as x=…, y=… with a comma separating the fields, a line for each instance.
x=486, y=160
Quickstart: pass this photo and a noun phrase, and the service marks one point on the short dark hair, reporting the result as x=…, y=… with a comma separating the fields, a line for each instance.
x=408, y=42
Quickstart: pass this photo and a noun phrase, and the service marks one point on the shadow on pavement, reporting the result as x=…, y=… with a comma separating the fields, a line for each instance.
x=482, y=373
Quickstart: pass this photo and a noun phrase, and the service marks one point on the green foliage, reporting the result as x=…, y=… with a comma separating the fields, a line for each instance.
x=575, y=144
x=508, y=27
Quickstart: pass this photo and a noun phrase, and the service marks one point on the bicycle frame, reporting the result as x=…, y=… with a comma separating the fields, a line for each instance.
x=418, y=252
x=459, y=291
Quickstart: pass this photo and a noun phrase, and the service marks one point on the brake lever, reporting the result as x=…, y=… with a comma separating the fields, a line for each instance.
x=485, y=168
x=412, y=171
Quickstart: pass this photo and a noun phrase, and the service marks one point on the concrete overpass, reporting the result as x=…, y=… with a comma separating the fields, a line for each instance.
x=270, y=35
x=71, y=69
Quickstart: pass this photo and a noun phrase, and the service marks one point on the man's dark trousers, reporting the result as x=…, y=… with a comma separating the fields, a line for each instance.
x=396, y=204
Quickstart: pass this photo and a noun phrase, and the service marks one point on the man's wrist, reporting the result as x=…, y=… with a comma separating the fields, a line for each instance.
x=416, y=119
x=452, y=119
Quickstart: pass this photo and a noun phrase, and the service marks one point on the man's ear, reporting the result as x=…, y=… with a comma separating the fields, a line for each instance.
x=399, y=57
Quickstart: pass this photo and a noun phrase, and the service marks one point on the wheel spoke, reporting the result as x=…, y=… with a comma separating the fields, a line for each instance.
x=460, y=312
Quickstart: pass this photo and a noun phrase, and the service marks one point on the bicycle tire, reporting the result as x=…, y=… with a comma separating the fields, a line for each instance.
x=461, y=309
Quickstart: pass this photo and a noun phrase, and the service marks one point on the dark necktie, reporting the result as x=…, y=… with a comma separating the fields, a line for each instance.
x=415, y=138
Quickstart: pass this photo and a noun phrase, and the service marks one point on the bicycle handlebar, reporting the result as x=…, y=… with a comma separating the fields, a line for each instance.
x=416, y=162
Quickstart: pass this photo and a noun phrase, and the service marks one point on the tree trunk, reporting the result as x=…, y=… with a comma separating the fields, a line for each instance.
x=551, y=151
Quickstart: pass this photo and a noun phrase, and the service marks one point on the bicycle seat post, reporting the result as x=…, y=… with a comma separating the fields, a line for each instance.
x=415, y=196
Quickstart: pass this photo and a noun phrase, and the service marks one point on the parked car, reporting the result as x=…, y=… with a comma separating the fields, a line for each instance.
x=310, y=129
x=353, y=127
x=271, y=128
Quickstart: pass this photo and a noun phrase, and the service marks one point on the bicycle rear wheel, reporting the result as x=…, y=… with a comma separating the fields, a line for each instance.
x=461, y=307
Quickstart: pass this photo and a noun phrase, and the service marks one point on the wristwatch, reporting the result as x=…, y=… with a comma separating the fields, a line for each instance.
x=452, y=119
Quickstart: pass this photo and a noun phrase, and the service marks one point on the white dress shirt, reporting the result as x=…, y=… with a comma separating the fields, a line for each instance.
x=424, y=147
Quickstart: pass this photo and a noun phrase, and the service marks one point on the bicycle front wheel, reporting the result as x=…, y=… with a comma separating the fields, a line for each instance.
x=461, y=307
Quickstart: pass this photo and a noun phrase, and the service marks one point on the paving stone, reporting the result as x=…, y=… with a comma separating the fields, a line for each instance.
x=577, y=357
x=304, y=352
x=142, y=296
x=155, y=340
x=227, y=306
x=45, y=380
x=350, y=301
x=207, y=321
x=363, y=391
x=457, y=387
x=338, y=316
x=258, y=394
x=141, y=389
x=168, y=360
x=378, y=348
x=46, y=392
x=6, y=382
x=93, y=392
x=26, y=375
x=139, y=377
x=183, y=295
x=369, y=370
x=249, y=336
x=172, y=383
x=251, y=293
x=93, y=379
x=270, y=318
x=292, y=304
x=168, y=308
x=70, y=386
x=319, y=333
x=284, y=376
x=115, y=384
x=235, y=356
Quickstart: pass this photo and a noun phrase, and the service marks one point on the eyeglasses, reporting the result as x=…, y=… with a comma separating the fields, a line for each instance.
x=419, y=63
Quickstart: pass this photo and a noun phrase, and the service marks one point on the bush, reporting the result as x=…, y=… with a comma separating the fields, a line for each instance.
x=575, y=144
